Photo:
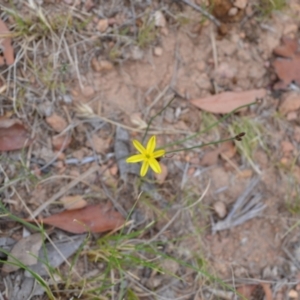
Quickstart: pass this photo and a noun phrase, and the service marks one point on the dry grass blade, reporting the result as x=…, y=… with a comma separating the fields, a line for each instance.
x=247, y=206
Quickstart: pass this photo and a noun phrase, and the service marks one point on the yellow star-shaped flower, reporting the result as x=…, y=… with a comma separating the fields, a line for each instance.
x=147, y=156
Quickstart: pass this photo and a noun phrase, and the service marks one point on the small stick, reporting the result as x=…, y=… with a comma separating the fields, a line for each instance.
x=62, y=191
x=202, y=11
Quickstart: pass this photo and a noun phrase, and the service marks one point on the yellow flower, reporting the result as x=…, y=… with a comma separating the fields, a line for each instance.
x=147, y=156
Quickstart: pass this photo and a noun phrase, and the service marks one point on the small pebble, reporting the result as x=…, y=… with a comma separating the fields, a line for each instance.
x=220, y=209
x=158, y=51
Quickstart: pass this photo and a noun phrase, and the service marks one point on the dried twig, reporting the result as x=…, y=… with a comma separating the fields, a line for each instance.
x=202, y=11
x=247, y=207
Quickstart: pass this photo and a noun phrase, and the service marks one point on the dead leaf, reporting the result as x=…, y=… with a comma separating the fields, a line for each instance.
x=161, y=177
x=160, y=20
x=88, y=5
x=267, y=290
x=94, y=218
x=73, y=202
x=56, y=254
x=290, y=103
x=5, y=44
x=247, y=173
x=57, y=122
x=26, y=251
x=227, y=150
x=113, y=170
x=246, y=290
x=287, y=67
x=61, y=142
x=13, y=135
x=136, y=119
x=228, y=101
x=101, y=66
x=102, y=25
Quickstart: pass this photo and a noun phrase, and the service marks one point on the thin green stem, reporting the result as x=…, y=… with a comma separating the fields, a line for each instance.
x=206, y=129
x=202, y=145
x=152, y=118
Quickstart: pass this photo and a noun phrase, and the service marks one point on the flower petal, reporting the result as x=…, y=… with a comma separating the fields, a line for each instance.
x=158, y=153
x=138, y=146
x=135, y=158
x=151, y=144
x=145, y=167
x=154, y=164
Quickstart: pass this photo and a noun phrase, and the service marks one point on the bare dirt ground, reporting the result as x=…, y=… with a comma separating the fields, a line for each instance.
x=91, y=84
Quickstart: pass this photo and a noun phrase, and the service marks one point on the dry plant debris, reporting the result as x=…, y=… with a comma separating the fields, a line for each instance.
x=92, y=218
x=55, y=254
x=287, y=64
x=228, y=101
x=5, y=45
x=13, y=135
x=290, y=103
x=247, y=206
x=85, y=56
x=26, y=251
x=73, y=202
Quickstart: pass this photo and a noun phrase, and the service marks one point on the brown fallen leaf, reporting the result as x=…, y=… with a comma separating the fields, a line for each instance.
x=246, y=290
x=52, y=255
x=73, y=202
x=161, y=177
x=247, y=173
x=61, y=142
x=227, y=150
x=5, y=44
x=267, y=290
x=26, y=251
x=290, y=103
x=13, y=135
x=228, y=101
x=287, y=66
x=102, y=25
x=57, y=122
x=93, y=218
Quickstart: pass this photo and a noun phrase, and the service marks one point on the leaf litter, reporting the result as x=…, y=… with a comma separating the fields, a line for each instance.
x=5, y=45
x=93, y=218
x=226, y=102
x=25, y=251
x=13, y=135
x=187, y=83
x=287, y=64
x=247, y=206
x=54, y=254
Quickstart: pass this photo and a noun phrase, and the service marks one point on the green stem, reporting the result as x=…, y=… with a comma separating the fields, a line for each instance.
x=152, y=118
x=206, y=129
x=202, y=145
